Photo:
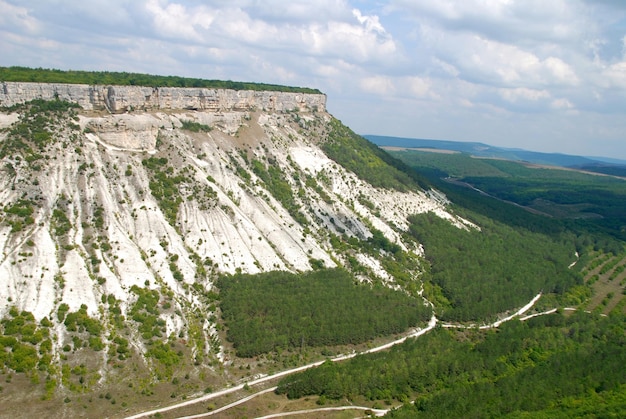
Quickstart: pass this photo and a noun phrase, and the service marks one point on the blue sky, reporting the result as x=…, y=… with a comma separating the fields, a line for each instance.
x=544, y=75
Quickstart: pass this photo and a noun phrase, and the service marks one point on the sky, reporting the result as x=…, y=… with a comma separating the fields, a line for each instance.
x=542, y=75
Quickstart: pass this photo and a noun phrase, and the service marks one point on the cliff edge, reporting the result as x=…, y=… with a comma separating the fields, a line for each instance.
x=119, y=99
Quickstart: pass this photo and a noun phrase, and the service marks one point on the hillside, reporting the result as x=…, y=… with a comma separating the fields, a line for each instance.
x=112, y=216
x=161, y=245
x=148, y=185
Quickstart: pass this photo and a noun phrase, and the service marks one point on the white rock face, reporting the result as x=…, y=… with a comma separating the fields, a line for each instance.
x=117, y=99
x=242, y=229
x=148, y=204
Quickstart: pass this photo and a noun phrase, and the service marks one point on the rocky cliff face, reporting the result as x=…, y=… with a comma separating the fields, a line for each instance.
x=95, y=174
x=114, y=227
x=117, y=99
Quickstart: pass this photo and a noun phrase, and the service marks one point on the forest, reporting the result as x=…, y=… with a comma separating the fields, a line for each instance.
x=483, y=273
x=43, y=75
x=549, y=366
x=282, y=310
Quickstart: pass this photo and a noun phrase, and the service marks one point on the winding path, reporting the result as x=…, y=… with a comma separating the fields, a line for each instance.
x=497, y=323
x=416, y=333
x=376, y=412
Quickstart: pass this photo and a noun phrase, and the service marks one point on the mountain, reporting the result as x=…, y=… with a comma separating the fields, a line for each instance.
x=169, y=251
x=122, y=205
x=594, y=164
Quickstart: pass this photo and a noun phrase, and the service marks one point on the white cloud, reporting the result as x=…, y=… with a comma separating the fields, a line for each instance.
x=504, y=20
x=17, y=16
x=355, y=37
x=490, y=62
x=421, y=88
x=561, y=104
x=614, y=76
x=361, y=39
x=176, y=21
x=371, y=23
x=296, y=11
x=378, y=84
x=523, y=93
x=560, y=71
x=446, y=67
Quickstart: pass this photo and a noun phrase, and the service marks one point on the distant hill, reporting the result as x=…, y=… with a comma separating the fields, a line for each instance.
x=593, y=164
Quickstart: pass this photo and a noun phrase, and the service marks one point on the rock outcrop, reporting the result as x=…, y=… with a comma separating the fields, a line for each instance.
x=118, y=99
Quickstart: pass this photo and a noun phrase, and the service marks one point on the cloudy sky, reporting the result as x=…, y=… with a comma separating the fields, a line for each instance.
x=544, y=75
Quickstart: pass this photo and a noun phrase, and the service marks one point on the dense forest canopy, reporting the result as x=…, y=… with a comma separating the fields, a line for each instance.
x=553, y=365
x=482, y=273
x=279, y=309
x=43, y=75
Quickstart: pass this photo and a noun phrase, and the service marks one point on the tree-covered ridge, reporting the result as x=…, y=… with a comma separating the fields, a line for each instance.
x=367, y=161
x=43, y=75
x=552, y=363
x=485, y=272
x=284, y=310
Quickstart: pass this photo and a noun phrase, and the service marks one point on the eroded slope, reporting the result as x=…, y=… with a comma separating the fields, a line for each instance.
x=115, y=226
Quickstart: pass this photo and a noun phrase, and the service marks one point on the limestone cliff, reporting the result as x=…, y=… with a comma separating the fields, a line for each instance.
x=117, y=99
x=117, y=217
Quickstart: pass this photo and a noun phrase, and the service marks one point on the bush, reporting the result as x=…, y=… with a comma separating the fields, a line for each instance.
x=195, y=126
